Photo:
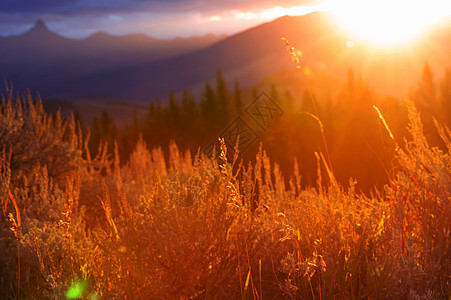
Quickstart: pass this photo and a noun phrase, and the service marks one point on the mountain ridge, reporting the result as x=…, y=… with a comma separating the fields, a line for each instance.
x=40, y=58
x=248, y=56
x=40, y=27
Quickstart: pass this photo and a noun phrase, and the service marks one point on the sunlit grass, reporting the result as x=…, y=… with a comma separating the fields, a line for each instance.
x=196, y=227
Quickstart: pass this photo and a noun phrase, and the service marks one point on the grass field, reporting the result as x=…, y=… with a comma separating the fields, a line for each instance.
x=189, y=226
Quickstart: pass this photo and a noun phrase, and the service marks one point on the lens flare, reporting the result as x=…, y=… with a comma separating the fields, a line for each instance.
x=76, y=290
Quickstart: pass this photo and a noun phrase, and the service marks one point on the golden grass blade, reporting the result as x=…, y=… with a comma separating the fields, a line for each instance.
x=385, y=124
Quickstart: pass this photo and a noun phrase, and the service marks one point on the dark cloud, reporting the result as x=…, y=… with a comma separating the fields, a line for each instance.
x=78, y=18
x=110, y=6
x=83, y=6
x=30, y=6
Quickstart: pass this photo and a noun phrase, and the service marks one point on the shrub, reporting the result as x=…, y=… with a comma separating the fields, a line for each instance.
x=32, y=137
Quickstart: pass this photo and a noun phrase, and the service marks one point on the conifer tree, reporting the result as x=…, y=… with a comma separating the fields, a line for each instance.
x=425, y=95
x=222, y=96
x=426, y=101
x=173, y=111
x=237, y=100
x=189, y=118
x=426, y=89
x=208, y=104
x=189, y=109
x=445, y=97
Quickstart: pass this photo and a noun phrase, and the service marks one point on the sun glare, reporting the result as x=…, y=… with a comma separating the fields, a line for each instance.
x=278, y=11
x=389, y=23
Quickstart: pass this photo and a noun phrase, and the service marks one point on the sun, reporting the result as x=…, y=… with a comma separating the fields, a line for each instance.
x=388, y=23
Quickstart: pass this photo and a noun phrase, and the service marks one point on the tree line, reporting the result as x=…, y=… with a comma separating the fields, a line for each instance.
x=346, y=130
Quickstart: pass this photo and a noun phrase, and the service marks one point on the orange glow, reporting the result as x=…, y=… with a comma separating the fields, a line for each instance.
x=389, y=23
x=277, y=11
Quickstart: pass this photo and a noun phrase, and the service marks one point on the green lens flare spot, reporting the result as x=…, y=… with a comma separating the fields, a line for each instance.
x=76, y=290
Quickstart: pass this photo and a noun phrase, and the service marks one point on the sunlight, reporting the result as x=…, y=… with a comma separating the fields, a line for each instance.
x=278, y=11
x=389, y=23
x=350, y=44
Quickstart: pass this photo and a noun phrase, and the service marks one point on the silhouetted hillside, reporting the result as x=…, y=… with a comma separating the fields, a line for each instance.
x=42, y=60
x=137, y=68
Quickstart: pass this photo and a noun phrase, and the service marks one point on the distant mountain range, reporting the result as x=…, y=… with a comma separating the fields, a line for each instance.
x=42, y=60
x=138, y=68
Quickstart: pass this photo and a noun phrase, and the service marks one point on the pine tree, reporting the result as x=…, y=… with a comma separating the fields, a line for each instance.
x=173, y=111
x=189, y=109
x=237, y=108
x=425, y=95
x=445, y=97
x=426, y=101
x=151, y=119
x=154, y=127
x=223, y=97
x=190, y=120
x=208, y=105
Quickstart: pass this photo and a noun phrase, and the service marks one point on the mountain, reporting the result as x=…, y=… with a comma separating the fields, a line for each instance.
x=256, y=53
x=249, y=57
x=40, y=59
x=40, y=29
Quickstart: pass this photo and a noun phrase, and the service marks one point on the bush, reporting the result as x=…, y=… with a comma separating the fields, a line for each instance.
x=31, y=137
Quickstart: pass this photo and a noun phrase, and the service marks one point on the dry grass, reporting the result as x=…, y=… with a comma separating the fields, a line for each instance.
x=187, y=227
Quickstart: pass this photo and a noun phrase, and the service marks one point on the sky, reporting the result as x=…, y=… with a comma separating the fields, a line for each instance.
x=156, y=18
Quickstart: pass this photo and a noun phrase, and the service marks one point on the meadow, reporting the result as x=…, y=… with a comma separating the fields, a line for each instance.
x=173, y=224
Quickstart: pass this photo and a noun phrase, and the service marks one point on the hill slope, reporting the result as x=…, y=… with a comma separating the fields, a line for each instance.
x=140, y=68
x=41, y=59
